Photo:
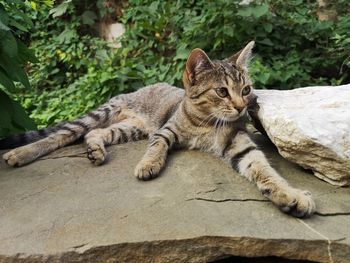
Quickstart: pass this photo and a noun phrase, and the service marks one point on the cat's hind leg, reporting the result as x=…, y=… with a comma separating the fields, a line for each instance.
x=59, y=136
x=130, y=129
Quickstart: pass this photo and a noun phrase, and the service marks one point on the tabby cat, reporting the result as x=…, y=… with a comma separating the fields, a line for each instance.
x=206, y=115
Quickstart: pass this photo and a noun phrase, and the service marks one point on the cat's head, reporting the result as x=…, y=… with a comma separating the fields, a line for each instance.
x=221, y=88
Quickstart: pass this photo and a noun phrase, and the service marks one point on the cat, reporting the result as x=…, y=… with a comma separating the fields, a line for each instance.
x=206, y=115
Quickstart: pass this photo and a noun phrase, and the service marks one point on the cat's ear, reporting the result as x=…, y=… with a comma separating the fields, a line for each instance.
x=241, y=58
x=196, y=63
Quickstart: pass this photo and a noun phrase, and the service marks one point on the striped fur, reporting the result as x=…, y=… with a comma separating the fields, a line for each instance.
x=206, y=116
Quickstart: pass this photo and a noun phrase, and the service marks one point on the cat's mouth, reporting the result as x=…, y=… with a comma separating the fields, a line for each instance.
x=232, y=115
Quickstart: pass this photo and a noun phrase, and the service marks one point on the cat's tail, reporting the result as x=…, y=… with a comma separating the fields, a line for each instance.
x=78, y=128
x=27, y=137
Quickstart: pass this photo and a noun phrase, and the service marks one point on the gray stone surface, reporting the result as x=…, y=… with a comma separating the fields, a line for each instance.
x=63, y=209
x=311, y=127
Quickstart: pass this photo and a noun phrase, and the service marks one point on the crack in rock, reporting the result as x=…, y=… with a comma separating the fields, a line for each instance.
x=34, y=194
x=260, y=200
x=227, y=200
x=80, y=246
x=208, y=191
x=79, y=155
x=156, y=202
x=329, y=241
x=333, y=214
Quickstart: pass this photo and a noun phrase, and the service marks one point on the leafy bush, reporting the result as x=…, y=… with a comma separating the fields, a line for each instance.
x=293, y=47
x=13, y=56
x=77, y=71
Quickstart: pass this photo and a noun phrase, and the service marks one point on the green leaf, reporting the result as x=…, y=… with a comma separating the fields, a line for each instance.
x=268, y=27
x=20, y=118
x=3, y=26
x=266, y=42
x=245, y=12
x=66, y=35
x=18, y=25
x=9, y=45
x=25, y=54
x=182, y=53
x=102, y=54
x=88, y=17
x=260, y=10
x=229, y=31
x=48, y=3
x=5, y=114
x=6, y=81
x=13, y=69
x=60, y=9
x=255, y=11
x=18, y=14
x=13, y=118
x=4, y=18
x=17, y=2
x=153, y=7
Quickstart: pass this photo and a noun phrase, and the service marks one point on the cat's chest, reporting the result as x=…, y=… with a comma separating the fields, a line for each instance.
x=210, y=141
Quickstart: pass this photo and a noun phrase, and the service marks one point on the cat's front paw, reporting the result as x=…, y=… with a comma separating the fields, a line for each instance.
x=96, y=153
x=147, y=170
x=296, y=202
x=20, y=156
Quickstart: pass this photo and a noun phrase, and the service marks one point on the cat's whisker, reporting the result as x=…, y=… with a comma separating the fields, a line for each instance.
x=216, y=130
x=206, y=121
x=219, y=128
x=206, y=118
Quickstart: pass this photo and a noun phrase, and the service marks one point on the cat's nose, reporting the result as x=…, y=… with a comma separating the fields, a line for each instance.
x=239, y=109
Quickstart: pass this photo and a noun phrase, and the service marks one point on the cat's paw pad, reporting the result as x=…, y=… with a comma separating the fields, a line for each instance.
x=147, y=170
x=19, y=156
x=97, y=154
x=296, y=202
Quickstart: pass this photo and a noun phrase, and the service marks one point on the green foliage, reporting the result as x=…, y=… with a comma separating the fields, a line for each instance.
x=293, y=48
x=13, y=118
x=60, y=9
x=78, y=71
x=13, y=56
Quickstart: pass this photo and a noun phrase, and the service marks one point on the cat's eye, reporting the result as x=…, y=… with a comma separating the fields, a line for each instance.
x=246, y=90
x=222, y=92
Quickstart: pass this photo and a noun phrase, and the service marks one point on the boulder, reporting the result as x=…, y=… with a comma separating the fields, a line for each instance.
x=63, y=209
x=309, y=126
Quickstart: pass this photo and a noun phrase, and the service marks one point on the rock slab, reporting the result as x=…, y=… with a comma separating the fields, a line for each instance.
x=311, y=127
x=63, y=209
